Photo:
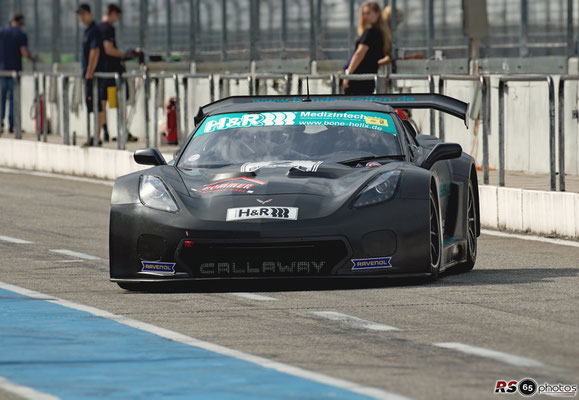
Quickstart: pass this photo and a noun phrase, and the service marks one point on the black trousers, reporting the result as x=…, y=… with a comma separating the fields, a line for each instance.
x=360, y=87
x=102, y=94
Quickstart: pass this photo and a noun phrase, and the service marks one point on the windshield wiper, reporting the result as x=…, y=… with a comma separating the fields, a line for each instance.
x=189, y=168
x=370, y=158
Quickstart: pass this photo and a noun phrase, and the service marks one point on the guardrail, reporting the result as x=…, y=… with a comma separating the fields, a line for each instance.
x=40, y=82
x=561, y=112
x=186, y=78
x=331, y=77
x=486, y=111
x=17, y=101
x=528, y=78
x=252, y=81
x=119, y=83
x=155, y=78
x=65, y=85
x=358, y=77
x=233, y=77
x=257, y=78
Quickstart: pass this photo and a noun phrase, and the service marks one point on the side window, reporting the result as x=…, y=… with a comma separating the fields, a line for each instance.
x=412, y=144
x=410, y=132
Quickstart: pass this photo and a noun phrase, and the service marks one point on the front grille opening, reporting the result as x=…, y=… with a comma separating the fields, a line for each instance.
x=299, y=258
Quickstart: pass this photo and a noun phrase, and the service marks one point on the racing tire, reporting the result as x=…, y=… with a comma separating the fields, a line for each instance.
x=435, y=235
x=471, y=237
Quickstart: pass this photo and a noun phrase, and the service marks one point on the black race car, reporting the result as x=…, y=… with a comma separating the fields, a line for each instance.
x=281, y=186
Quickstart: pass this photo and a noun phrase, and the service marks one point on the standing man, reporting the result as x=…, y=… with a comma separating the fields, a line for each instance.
x=113, y=56
x=92, y=61
x=13, y=46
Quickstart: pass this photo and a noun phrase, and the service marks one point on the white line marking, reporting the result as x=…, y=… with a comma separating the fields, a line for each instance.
x=70, y=261
x=252, y=296
x=58, y=176
x=357, y=322
x=530, y=237
x=178, y=337
x=493, y=354
x=75, y=254
x=24, y=391
x=14, y=240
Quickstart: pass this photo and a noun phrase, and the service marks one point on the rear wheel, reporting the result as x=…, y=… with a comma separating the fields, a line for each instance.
x=471, y=242
x=435, y=235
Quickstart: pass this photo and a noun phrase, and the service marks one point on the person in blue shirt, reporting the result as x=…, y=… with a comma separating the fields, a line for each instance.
x=13, y=46
x=92, y=61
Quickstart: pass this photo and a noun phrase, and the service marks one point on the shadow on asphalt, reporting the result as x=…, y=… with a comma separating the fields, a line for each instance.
x=276, y=285
x=511, y=276
x=450, y=278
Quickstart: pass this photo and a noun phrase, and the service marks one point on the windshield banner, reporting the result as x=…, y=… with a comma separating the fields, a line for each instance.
x=356, y=119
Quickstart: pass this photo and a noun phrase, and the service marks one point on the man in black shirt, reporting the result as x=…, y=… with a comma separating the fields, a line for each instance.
x=113, y=56
x=92, y=61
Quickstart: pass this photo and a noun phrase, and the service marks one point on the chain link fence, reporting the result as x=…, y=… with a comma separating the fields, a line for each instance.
x=227, y=30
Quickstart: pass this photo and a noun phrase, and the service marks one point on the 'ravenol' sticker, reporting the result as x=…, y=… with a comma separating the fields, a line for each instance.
x=158, y=268
x=371, y=263
x=356, y=119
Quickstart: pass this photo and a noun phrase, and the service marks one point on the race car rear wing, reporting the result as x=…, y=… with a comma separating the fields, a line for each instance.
x=445, y=104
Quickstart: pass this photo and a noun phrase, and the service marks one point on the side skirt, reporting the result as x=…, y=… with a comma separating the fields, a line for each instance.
x=453, y=252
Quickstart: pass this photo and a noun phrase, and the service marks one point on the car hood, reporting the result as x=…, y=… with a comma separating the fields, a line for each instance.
x=316, y=191
x=278, y=178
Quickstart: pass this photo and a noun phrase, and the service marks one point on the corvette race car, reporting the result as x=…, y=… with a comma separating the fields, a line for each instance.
x=282, y=186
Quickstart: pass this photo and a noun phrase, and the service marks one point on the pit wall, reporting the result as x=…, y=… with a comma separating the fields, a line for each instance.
x=537, y=212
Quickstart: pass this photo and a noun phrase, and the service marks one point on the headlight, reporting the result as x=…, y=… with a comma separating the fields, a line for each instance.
x=154, y=194
x=381, y=189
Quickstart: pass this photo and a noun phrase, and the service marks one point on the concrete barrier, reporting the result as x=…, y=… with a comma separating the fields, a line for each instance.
x=532, y=211
x=92, y=162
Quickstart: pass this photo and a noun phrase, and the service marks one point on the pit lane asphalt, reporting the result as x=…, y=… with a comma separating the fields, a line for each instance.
x=522, y=298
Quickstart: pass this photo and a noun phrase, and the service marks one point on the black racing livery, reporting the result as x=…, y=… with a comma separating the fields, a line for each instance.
x=287, y=186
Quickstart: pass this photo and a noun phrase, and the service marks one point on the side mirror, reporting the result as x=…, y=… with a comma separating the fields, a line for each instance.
x=442, y=151
x=149, y=156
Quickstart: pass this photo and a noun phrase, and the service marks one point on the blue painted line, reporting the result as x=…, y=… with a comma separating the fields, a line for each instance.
x=74, y=354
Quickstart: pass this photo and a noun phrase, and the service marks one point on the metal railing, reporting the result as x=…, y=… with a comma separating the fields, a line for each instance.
x=528, y=78
x=562, y=80
x=257, y=78
x=486, y=111
x=120, y=111
x=253, y=80
x=155, y=78
x=233, y=77
x=331, y=77
x=185, y=79
x=359, y=77
x=182, y=103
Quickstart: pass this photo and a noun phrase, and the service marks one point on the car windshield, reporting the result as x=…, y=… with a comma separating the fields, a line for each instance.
x=315, y=136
